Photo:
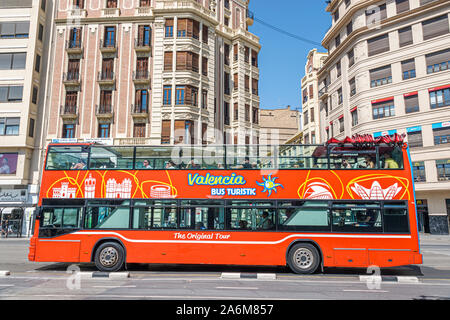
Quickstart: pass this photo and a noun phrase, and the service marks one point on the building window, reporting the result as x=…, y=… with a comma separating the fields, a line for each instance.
x=204, y=66
x=12, y=61
x=408, y=69
x=37, y=66
x=380, y=76
x=338, y=69
x=443, y=169
x=169, y=28
x=378, y=45
x=144, y=36
x=179, y=98
x=139, y=130
x=11, y=93
x=110, y=37
x=165, y=132
x=440, y=98
x=11, y=30
x=226, y=83
x=236, y=112
x=188, y=28
x=9, y=126
x=255, y=115
x=75, y=38
x=405, y=37
x=247, y=113
x=402, y=5
x=205, y=34
x=341, y=124
x=204, y=99
x=383, y=109
x=187, y=61
x=336, y=15
x=419, y=171
x=110, y=4
x=352, y=85
x=167, y=95
x=438, y=61
x=441, y=135
x=435, y=27
x=349, y=28
x=34, y=96
x=337, y=41
x=354, y=115
x=68, y=131
x=168, y=58
x=411, y=103
x=104, y=130
x=375, y=16
x=415, y=138
x=226, y=112
x=31, y=128
x=351, y=58
x=41, y=32
x=141, y=99
x=340, y=96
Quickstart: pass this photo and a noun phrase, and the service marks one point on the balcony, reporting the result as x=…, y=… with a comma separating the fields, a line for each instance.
x=106, y=78
x=108, y=46
x=323, y=93
x=68, y=112
x=141, y=77
x=74, y=47
x=110, y=12
x=72, y=79
x=132, y=141
x=104, y=111
x=182, y=5
x=138, y=111
x=77, y=13
x=144, y=11
x=142, y=45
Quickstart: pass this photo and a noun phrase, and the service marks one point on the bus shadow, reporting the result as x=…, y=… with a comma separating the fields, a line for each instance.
x=412, y=270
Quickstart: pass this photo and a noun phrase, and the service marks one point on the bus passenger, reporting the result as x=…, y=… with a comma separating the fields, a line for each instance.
x=389, y=163
x=146, y=164
x=243, y=224
x=192, y=165
x=369, y=163
x=266, y=223
x=80, y=165
x=170, y=165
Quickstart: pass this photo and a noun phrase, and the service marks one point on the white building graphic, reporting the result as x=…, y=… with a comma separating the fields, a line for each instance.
x=64, y=192
x=89, y=187
x=318, y=190
x=118, y=190
x=160, y=191
x=376, y=192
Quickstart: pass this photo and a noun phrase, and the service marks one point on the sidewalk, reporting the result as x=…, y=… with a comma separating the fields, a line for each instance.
x=427, y=238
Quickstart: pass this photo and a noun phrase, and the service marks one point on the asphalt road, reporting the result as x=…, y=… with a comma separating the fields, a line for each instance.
x=35, y=281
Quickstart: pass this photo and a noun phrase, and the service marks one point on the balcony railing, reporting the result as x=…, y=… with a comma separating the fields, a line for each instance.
x=104, y=110
x=108, y=45
x=71, y=78
x=139, y=110
x=323, y=91
x=106, y=77
x=74, y=46
x=141, y=76
x=142, y=44
x=69, y=111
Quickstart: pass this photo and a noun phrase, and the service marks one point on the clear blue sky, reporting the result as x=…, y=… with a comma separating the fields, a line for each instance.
x=282, y=58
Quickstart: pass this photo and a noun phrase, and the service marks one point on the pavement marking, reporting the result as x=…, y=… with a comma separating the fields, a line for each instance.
x=238, y=288
x=243, y=275
x=371, y=291
x=4, y=273
x=7, y=285
x=113, y=287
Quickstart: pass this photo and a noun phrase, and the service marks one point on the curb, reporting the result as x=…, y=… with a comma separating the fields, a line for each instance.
x=258, y=276
x=398, y=279
x=4, y=273
x=104, y=275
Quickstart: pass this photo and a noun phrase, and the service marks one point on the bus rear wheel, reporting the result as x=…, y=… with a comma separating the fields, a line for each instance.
x=109, y=257
x=303, y=258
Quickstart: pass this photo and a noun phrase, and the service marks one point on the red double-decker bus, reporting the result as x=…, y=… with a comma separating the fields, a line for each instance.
x=341, y=204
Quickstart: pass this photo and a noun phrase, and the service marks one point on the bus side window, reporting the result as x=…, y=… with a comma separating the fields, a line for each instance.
x=395, y=218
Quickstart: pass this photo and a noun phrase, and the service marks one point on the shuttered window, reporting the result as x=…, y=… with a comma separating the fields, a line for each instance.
x=415, y=139
x=169, y=28
x=205, y=34
x=412, y=104
x=204, y=133
x=236, y=112
x=235, y=81
x=408, y=69
x=168, y=58
x=438, y=61
x=376, y=14
x=380, y=76
x=402, y=5
x=165, y=132
x=187, y=61
x=255, y=86
x=435, y=27
x=204, y=66
x=383, y=109
x=405, y=36
x=441, y=135
x=378, y=45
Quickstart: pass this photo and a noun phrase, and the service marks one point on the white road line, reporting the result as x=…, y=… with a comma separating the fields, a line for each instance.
x=371, y=291
x=113, y=287
x=7, y=285
x=238, y=288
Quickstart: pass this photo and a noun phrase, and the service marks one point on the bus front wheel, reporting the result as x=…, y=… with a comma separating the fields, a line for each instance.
x=303, y=258
x=109, y=257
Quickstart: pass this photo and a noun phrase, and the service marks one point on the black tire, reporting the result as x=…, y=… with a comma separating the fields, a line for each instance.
x=109, y=257
x=303, y=258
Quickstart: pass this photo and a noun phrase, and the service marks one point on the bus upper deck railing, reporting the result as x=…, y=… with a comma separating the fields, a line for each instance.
x=223, y=157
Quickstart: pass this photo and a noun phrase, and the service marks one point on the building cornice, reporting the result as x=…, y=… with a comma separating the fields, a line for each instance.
x=385, y=23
